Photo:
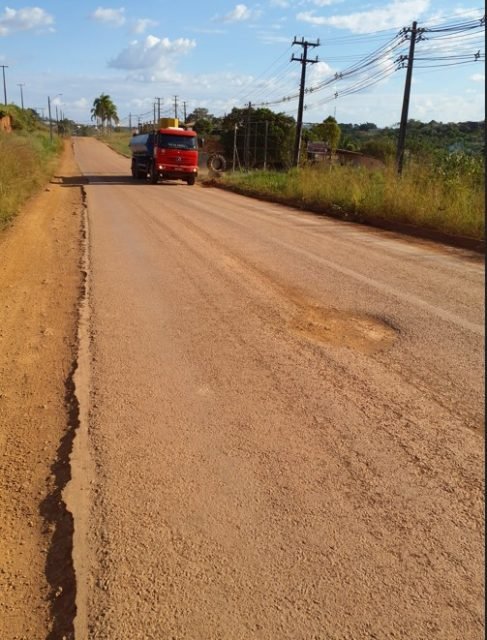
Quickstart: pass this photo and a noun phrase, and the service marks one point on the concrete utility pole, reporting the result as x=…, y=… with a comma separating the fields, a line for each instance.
x=234, y=147
x=175, y=107
x=4, y=66
x=405, y=104
x=265, y=143
x=49, y=112
x=158, y=109
x=184, y=111
x=21, y=95
x=303, y=59
x=247, y=139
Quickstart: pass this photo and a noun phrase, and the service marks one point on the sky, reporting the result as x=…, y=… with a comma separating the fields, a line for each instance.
x=175, y=57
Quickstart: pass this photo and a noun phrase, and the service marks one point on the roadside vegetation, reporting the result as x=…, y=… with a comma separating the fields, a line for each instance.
x=446, y=195
x=116, y=140
x=28, y=160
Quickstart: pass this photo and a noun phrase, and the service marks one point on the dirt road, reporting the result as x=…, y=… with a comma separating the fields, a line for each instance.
x=281, y=423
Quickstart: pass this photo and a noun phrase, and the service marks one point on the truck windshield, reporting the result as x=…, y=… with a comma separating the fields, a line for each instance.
x=168, y=141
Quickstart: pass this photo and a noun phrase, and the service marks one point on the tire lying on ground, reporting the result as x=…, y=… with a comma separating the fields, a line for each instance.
x=216, y=163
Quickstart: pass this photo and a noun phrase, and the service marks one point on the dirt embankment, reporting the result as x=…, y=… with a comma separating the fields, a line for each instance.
x=40, y=284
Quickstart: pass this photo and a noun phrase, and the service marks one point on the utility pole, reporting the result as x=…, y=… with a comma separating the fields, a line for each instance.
x=21, y=95
x=247, y=139
x=158, y=109
x=405, y=104
x=265, y=143
x=184, y=111
x=303, y=59
x=234, y=147
x=49, y=114
x=175, y=107
x=130, y=122
x=4, y=66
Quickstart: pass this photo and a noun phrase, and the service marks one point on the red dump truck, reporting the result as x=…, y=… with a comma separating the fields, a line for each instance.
x=167, y=153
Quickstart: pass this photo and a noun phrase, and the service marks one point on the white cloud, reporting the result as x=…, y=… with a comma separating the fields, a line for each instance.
x=240, y=13
x=113, y=17
x=478, y=77
x=398, y=13
x=81, y=103
x=142, y=24
x=452, y=108
x=324, y=3
x=24, y=20
x=152, y=59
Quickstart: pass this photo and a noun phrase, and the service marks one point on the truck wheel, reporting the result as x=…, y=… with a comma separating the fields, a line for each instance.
x=216, y=162
x=133, y=170
x=152, y=175
x=191, y=180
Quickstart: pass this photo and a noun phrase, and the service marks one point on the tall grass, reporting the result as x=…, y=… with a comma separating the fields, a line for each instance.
x=446, y=196
x=118, y=141
x=27, y=161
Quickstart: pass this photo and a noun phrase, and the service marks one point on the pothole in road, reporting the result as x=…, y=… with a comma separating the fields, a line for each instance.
x=356, y=331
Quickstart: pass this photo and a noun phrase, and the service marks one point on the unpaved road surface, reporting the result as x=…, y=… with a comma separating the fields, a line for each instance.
x=281, y=423
x=285, y=422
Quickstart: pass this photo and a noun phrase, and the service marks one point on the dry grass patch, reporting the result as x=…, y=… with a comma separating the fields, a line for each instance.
x=438, y=197
x=28, y=161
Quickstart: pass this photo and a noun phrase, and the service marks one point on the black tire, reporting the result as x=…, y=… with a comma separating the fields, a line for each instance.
x=152, y=177
x=191, y=180
x=216, y=163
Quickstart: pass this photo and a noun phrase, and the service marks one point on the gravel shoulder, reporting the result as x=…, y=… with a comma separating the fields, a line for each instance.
x=40, y=284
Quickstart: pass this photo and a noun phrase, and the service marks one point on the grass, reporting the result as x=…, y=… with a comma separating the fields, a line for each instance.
x=436, y=196
x=28, y=161
x=118, y=141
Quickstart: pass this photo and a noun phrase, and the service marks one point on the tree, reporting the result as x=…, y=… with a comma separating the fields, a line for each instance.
x=261, y=136
x=204, y=122
x=329, y=132
x=104, y=111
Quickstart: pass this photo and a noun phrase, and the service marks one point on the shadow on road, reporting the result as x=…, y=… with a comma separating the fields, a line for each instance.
x=76, y=181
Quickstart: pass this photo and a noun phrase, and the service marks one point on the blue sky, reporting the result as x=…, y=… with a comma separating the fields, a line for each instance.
x=219, y=54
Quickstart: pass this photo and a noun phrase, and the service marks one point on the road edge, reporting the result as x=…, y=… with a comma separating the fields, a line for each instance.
x=421, y=233
x=76, y=494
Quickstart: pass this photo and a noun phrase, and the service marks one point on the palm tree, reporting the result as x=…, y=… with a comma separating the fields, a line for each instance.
x=104, y=111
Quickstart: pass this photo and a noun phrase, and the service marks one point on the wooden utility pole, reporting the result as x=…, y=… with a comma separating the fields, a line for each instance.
x=303, y=59
x=405, y=104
